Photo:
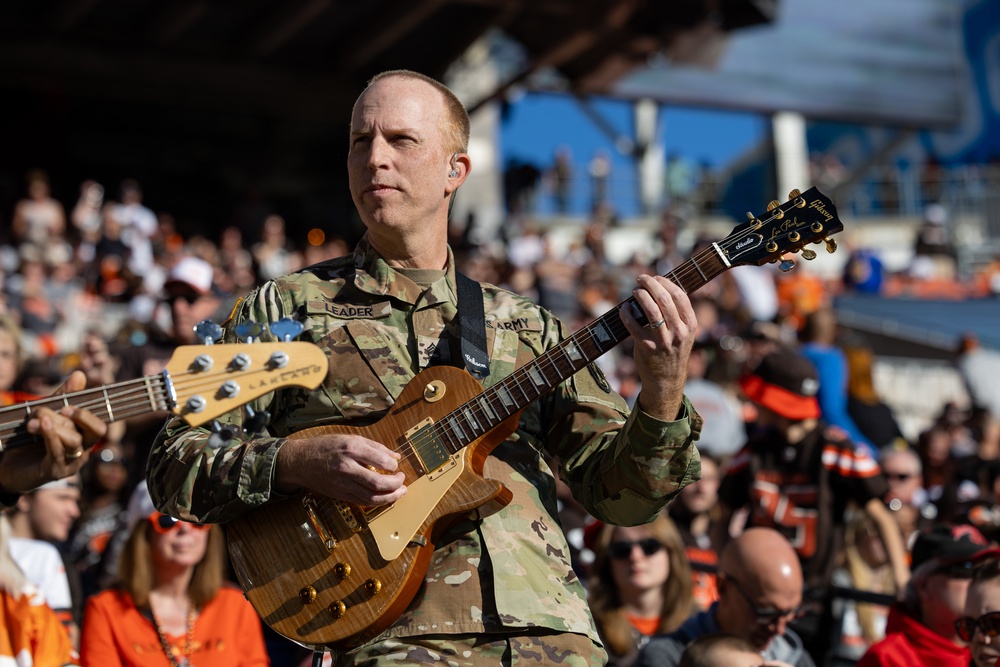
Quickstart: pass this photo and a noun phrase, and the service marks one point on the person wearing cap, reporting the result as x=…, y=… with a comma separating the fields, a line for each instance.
x=980, y=624
x=798, y=475
x=921, y=629
x=189, y=294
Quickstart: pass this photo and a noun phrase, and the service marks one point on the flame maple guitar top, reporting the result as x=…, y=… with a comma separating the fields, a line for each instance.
x=324, y=572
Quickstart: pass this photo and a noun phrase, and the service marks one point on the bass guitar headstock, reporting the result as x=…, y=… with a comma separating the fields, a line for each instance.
x=209, y=380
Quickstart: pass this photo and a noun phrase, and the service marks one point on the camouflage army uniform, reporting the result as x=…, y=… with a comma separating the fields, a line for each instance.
x=503, y=574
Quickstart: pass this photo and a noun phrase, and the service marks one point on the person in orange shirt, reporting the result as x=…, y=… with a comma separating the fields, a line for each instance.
x=171, y=607
x=640, y=585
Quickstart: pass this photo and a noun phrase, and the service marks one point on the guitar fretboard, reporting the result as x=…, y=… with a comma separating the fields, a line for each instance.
x=439, y=440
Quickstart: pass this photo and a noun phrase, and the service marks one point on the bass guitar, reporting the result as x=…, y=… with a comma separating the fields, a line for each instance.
x=323, y=572
x=200, y=383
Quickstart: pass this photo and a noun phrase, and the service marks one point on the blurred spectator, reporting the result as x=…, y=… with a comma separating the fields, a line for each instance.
x=972, y=484
x=86, y=215
x=980, y=370
x=11, y=361
x=102, y=514
x=863, y=272
x=561, y=178
x=138, y=227
x=827, y=172
x=639, y=585
x=760, y=592
x=38, y=226
x=724, y=432
x=30, y=633
x=799, y=475
x=722, y=650
x=39, y=521
x=520, y=183
x=980, y=623
x=274, y=254
x=695, y=511
x=865, y=567
x=819, y=345
x=600, y=174
x=872, y=417
x=907, y=499
x=921, y=628
x=680, y=183
x=172, y=601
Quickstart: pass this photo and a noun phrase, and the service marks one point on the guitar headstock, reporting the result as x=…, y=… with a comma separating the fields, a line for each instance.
x=210, y=380
x=807, y=217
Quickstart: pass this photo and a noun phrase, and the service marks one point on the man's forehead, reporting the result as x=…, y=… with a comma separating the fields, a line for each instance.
x=397, y=100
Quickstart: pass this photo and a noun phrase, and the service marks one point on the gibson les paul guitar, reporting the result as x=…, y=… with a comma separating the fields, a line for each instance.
x=325, y=572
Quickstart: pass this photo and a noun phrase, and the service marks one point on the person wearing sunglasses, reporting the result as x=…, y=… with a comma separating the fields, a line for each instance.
x=980, y=625
x=921, y=628
x=760, y=594
x=171, y=607
x=639, y=585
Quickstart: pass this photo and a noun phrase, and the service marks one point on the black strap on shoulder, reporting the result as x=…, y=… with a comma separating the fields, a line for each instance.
x=472, y=320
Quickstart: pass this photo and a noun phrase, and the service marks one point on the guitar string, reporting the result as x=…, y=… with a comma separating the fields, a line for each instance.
x=690, y=269
x=126, y=397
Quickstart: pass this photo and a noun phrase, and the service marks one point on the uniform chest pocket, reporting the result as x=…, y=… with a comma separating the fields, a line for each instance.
x=352, y=385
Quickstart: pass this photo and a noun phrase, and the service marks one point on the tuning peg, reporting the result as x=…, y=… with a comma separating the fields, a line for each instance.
x=787, y=265
x=794, y=193
x=808, y=254
x=286, y=328
x=831, y=245
x=208, y=331
x=773, y=205
x=248, y=331
x=255, y=422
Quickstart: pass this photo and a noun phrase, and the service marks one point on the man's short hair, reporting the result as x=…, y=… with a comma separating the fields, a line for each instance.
x=701, y=651
x=458, y=127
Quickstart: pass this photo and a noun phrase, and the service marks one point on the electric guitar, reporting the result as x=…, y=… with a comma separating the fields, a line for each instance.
x=325, y=572
x=200, y=383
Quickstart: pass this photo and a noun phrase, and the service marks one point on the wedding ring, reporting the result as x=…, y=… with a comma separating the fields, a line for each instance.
x=655, y=325
x=74, y=456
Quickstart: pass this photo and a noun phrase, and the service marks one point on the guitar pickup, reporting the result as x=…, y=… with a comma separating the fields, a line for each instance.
x=425, y=441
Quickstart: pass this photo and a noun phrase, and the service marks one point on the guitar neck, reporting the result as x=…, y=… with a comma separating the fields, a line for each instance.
x=111, y=403
x=536, y=378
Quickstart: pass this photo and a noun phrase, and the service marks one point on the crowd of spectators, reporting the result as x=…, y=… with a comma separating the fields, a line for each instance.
x=113, y=288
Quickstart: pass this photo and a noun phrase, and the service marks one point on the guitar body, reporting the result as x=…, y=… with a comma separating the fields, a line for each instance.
x=325, y=572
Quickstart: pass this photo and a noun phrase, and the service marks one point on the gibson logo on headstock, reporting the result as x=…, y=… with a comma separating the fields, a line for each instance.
x=818, y=206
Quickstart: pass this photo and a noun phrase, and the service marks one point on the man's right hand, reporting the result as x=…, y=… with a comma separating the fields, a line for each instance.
x=347, y=467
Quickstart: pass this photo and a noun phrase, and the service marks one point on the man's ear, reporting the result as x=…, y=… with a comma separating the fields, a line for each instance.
x=460, y=167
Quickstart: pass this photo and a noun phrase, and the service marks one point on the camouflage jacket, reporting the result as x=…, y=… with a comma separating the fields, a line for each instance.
x=508, y=570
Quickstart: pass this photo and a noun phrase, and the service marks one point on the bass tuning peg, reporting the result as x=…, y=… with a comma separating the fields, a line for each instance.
x=286, y=328
x=208, y=331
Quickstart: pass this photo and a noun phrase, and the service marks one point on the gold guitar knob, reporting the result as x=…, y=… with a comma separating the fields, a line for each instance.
x=307, y=595
x=831, y=246
x=794, y=193
x=773, y=204
x=808, y=254
x=816, y=227
x=794, y=237
x=338, y=609
x=772, y=247
x=342, y=570
x=373, y=587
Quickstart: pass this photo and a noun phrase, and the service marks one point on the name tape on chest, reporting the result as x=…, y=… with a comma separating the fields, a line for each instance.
x=349, y=311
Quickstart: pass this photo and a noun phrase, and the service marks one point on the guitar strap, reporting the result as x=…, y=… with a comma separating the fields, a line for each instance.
x=472, y=320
